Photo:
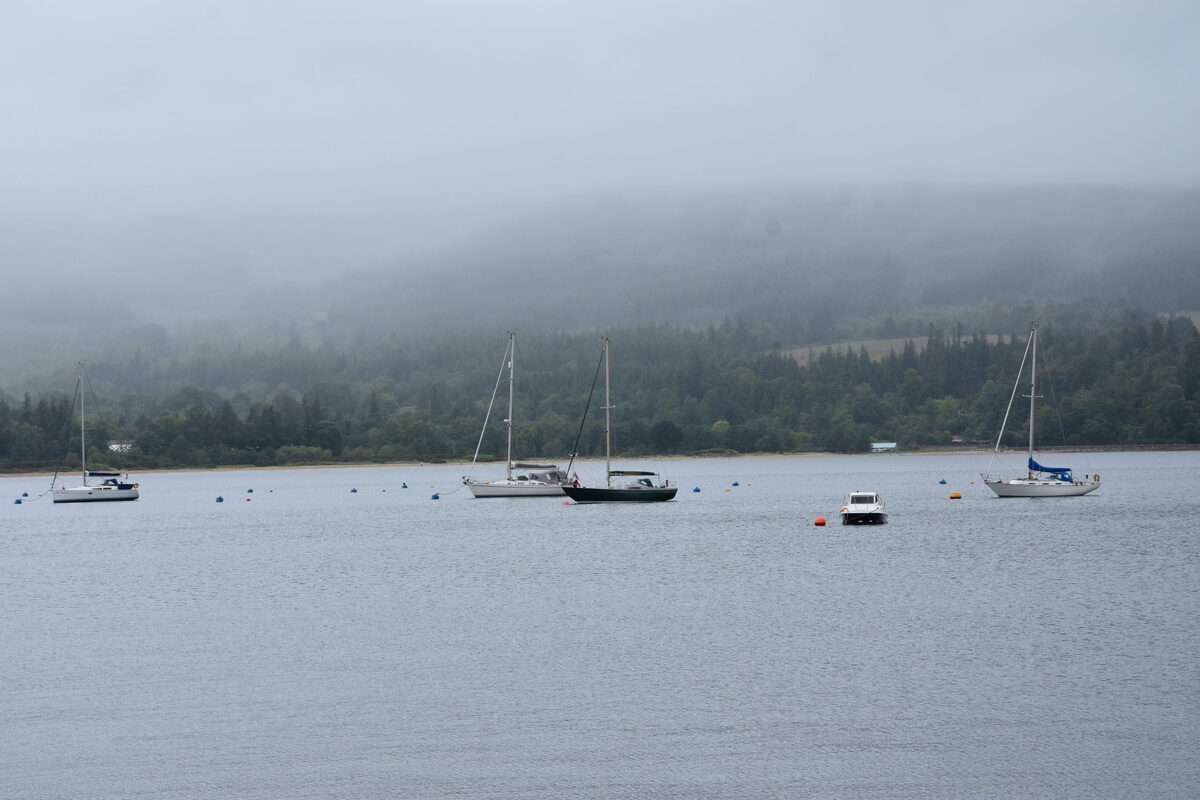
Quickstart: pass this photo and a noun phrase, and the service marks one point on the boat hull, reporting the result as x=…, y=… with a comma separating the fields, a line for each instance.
x=865, y=518
x=93, y=494
x=514, y=489
x=589, y=494
x=1022, y=487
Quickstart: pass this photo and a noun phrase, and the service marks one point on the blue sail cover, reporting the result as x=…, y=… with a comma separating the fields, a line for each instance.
x=1058, y=473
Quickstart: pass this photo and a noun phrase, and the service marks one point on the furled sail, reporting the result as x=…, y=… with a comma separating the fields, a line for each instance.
x=1059, y=473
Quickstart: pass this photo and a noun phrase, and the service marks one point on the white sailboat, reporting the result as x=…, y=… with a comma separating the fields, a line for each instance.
x=539, y=480
x=104, y=485
x=1038, y=481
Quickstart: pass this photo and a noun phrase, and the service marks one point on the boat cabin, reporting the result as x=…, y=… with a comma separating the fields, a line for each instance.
x=544, y=473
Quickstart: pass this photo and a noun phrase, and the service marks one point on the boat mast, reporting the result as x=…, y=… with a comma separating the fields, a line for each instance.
x=607, y=421
x=1011, y=399
x=82, y=443
x=1033, y=329
x=512, y=355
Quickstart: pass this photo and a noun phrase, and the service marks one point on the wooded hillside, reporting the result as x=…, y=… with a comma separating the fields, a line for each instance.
x=1117, y=376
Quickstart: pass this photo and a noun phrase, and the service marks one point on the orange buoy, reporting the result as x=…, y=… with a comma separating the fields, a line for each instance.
x=956, y=496
x=819, y=521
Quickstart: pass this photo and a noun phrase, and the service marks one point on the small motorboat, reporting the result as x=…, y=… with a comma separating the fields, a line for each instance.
x=863, y=508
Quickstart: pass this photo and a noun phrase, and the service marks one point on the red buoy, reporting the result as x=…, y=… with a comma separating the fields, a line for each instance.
x=819, y=521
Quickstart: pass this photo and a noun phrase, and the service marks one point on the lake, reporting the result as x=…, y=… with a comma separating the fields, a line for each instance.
x=304, y=640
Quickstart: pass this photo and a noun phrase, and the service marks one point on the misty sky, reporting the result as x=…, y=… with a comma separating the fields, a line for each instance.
x=250, y=137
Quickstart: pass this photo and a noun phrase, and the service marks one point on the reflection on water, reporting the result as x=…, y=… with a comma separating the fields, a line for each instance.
x=305, y=640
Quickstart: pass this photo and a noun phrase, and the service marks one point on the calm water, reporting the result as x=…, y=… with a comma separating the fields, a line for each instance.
x=314, y=642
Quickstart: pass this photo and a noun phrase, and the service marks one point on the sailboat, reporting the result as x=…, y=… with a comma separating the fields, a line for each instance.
x=1038, y=481
x=104, y=485
x=540, y=480
x=631, y=486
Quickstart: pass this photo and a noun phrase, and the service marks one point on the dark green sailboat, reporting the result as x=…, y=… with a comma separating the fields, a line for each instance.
x=630, y=486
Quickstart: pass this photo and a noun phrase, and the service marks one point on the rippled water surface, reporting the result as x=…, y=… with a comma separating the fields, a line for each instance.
x=307, y=641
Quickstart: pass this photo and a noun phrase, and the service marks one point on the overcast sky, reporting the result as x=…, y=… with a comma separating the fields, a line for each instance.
x=251, y=136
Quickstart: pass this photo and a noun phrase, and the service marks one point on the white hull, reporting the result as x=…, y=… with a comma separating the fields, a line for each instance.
x=505, y=488
x=1025, y=487
x=93, y=494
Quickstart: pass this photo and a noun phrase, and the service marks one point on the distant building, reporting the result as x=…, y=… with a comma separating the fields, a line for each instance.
x=883, y=447
x=120, y=447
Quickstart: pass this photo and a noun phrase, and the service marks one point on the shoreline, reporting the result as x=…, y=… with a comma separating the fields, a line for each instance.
x=957, y=451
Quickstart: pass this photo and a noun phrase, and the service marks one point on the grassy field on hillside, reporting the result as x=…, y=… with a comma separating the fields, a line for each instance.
x=879, y=348
x=876, y=348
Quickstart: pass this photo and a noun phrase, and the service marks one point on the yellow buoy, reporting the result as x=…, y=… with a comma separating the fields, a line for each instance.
x=956, y=496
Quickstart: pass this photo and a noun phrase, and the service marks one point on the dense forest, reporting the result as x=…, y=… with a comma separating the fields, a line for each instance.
x=1114, y=376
